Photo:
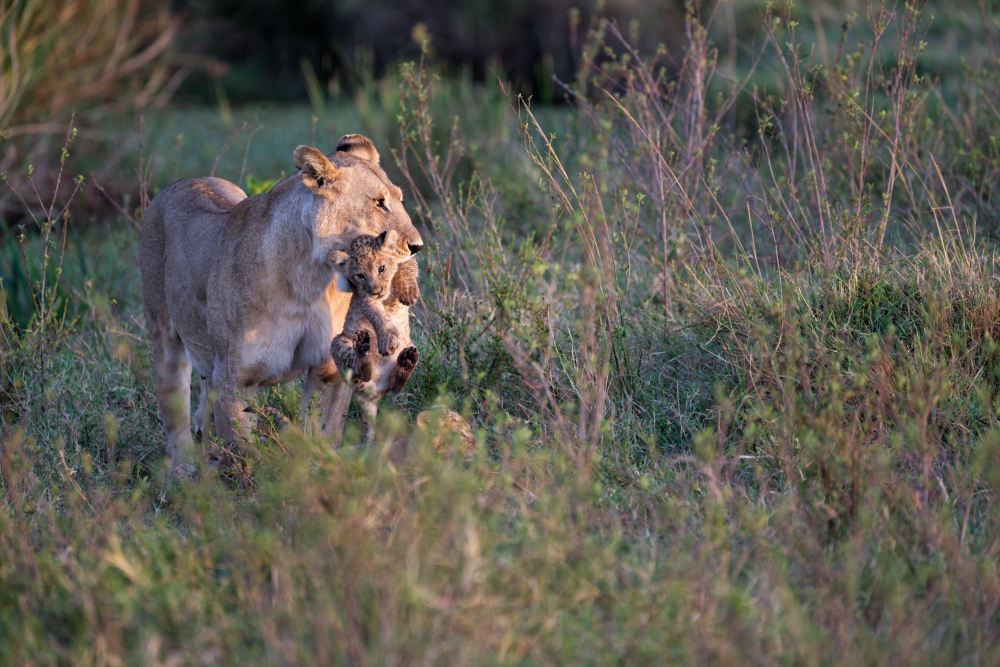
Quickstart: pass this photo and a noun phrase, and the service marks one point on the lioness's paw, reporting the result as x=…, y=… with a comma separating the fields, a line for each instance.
x=182, y=470
x=232, y=465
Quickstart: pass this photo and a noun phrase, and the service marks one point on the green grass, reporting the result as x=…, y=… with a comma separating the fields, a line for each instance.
x=728, y=408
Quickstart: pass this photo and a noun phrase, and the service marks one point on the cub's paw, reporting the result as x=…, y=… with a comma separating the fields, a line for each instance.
x=405, y=362
x=404, y=283
x=407, y=359
x=362, y=342
x=407, y=293
x=388, y=341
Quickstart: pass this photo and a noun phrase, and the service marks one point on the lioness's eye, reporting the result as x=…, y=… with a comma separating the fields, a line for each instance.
x=380, y=202
x=381, y=269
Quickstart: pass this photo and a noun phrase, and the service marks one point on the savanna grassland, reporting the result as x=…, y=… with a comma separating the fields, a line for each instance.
x=726, y=325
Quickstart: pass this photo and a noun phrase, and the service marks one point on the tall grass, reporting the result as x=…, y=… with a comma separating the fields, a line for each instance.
x=732, y=361
x=83, y=58
x=83, y=54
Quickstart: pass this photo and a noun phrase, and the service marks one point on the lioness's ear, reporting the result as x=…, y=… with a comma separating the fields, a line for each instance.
x=358, y=145
x=314, y=166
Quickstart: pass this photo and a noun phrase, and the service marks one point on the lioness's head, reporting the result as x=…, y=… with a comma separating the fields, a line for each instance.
x=350, y=195
x=370, y=262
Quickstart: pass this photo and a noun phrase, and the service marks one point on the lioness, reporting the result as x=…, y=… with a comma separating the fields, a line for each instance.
x=376, y=319
x=242, y=288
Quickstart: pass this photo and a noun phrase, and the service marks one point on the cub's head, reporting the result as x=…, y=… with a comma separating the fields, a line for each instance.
x=369, y=263
x=349, y=195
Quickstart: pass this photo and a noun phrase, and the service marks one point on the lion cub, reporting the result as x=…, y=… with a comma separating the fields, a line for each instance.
x=376, y=311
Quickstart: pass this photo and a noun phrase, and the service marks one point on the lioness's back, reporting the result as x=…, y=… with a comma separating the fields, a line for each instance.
x=180, y=241
x=208, y=194
x=180, y=229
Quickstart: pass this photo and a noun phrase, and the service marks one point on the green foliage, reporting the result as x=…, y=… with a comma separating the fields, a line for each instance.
x=256, y=187
x=732, y=396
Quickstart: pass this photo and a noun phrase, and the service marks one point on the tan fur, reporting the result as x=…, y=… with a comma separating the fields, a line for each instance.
x=448, y=423
x=448, y=429
x=375, y=346
x=242, y=288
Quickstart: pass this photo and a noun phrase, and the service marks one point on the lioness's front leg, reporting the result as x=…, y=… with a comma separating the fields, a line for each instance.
x=337, y=400
x=334, y=399
x=232, y=422
x=204, y=421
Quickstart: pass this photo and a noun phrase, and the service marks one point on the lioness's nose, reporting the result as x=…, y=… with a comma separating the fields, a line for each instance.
x=414, y=247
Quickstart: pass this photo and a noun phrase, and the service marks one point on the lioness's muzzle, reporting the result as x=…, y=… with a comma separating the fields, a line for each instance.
x=414, y=247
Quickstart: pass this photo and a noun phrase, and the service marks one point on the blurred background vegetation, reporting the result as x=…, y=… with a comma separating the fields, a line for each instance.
x=266, y=49
x=109, y=64
x=718, y=293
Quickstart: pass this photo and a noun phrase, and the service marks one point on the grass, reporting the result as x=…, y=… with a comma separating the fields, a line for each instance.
x=735, y=395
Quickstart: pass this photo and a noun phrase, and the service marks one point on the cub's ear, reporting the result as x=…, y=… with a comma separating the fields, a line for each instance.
x=316, y=168
x=358, y=145
x=388, y=239
x=338, y=258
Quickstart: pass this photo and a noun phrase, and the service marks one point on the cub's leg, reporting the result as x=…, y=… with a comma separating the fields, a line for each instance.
x=362, y=349
x=404, y=283
x=367, y=402
x=350, y=352
x=405, y=363
x=172, y=370
x=387, y=335
x=369, y=410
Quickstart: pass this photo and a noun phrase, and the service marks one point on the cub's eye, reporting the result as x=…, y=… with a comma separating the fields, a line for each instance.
x=381, y=269
x=359, y=276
